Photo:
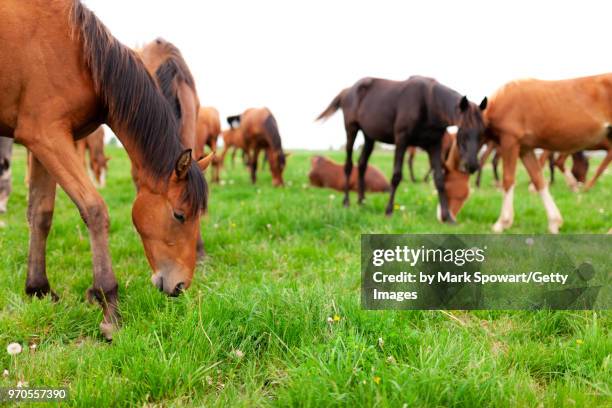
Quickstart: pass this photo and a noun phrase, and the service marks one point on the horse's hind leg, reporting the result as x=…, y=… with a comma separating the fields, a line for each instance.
x=570, y=180
x=40, y=214
x=495, y=162
x=509, y=153
x=483, y=161
x=363, y=166
x=398, y=160
x=535, y=173
x=253, y=165
x=351, y=135
x=6, y=153
x=54, y=148
x=602, y=167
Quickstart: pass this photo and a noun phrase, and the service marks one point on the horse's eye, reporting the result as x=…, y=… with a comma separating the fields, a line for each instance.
x=179, y=217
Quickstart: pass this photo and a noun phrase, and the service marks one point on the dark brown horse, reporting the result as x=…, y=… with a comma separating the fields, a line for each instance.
x=6, y=155
x=415, y=112
x=260, y=132
x=327, y=173
x=63, y=74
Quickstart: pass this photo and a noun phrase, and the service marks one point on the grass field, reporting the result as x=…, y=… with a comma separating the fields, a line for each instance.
x=253, y=329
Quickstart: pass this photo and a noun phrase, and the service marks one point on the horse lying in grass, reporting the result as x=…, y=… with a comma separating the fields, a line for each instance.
x=62, y=75
x=6, y=155
x=415, y=112
x=98, y=162
x=564, y=116
x=260, y=132
x=327, y=173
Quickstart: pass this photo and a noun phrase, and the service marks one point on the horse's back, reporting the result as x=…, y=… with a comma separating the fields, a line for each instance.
x=562, y=115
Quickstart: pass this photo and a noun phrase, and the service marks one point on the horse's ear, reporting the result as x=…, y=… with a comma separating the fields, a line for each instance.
x=464, y=104
x=205, y=162
x=182, y=164
x=483, y=104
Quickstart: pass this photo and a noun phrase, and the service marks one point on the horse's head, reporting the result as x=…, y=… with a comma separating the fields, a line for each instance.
x=167, y=218
x=470, y=130
x=456, y=181
x=278, y=161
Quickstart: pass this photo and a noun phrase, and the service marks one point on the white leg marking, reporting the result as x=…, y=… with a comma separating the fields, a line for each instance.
x=103, y=178
x=439, y=213
x=554, y=216
x=507, y=212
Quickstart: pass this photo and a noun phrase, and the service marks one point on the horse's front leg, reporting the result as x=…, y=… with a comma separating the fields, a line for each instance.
x=602, y=167
x=435, y=158
x=509, y=153
x=535, y=173
x=55, y=150
x=398, y=160
x=363, y=166
x=40, y=215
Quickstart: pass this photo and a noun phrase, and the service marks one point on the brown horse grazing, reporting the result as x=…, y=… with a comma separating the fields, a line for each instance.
x=260, y=132
x=456, y=181
x=6, y=154
x=415, y=112
x=327, y=173
x=233, y=139
x=167, y=66
x=564, y=116
x=63, y=74
x=208, y=128
x=94, y=145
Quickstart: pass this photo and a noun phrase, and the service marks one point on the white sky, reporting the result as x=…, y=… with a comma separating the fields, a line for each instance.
x=295, y=56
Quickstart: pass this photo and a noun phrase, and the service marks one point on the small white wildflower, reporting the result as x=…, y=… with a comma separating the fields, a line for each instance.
x=332, y=196
x=290, y=183
x=231, y=181
x=13, y=349
x=216, y=226
x=33, y=346
x=238, y=353
x=22, y=384
x=222, y=182
x=381, y=342
x=2, y=224
x=5, y=373
x=330, y=320
x=529, y=241
x=304, y=185
x=391, y=360
x=402, y=208
x=269, y=226
x=601, y=210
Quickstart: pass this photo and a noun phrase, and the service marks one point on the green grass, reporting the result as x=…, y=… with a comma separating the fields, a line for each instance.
x=280, y=262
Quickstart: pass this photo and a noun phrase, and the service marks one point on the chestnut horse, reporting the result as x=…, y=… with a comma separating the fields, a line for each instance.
x=208, y=128
x=233, y=139
x=94, y=145
x=167, y=66
x=415, y=112
x=327, y=173
x=260, y=132
x=62, y=75
x=6, y=154
x=565, y=116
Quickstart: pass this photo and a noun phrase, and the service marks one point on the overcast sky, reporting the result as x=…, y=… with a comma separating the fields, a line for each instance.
x=295, y=56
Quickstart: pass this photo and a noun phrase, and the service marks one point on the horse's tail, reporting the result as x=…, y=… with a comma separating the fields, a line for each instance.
x=333, y=106
x=233, y=121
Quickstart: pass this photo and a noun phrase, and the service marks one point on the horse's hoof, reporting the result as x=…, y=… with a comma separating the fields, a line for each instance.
x=389, y=212
x=42, y=292
x=498, y=228
x=451, y=221
x=108, y=329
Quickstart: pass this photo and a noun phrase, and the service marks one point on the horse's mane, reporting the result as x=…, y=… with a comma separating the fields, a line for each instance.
x=173, y=68
x=134, y=102
x=271, y=128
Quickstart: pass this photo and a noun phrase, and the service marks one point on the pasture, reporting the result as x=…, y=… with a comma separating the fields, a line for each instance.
x=273, y=317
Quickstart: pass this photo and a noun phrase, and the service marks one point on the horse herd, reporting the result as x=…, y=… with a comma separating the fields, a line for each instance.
x=63, y=74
